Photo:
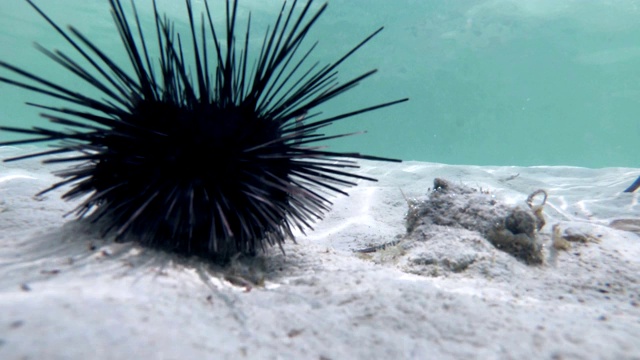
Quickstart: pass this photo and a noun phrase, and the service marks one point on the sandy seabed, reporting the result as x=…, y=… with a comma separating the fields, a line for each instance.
x=67, y=294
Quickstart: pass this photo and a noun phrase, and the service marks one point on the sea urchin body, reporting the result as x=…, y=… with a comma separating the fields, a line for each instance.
x=209, y=156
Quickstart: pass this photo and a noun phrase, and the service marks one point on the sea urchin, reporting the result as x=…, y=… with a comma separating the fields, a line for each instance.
x=192, y=157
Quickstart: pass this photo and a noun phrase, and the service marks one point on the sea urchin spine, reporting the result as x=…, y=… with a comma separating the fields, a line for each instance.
x=206, y=160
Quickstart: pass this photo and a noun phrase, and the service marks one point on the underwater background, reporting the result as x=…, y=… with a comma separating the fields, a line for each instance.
x=498, y=82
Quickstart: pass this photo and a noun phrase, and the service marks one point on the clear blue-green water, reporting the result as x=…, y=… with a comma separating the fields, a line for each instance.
x=498, y=82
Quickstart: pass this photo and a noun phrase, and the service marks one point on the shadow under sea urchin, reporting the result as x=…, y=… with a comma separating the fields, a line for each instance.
x=212, y=166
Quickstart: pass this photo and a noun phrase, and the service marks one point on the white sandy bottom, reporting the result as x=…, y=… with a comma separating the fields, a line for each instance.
x=66, y=294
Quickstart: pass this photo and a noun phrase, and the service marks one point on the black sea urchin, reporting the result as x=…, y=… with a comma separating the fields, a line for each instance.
x=191, y=157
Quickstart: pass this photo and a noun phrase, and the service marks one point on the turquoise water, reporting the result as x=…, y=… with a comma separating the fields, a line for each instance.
x=499, y=82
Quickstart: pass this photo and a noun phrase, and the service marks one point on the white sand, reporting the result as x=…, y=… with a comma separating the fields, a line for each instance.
x=67, y=295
